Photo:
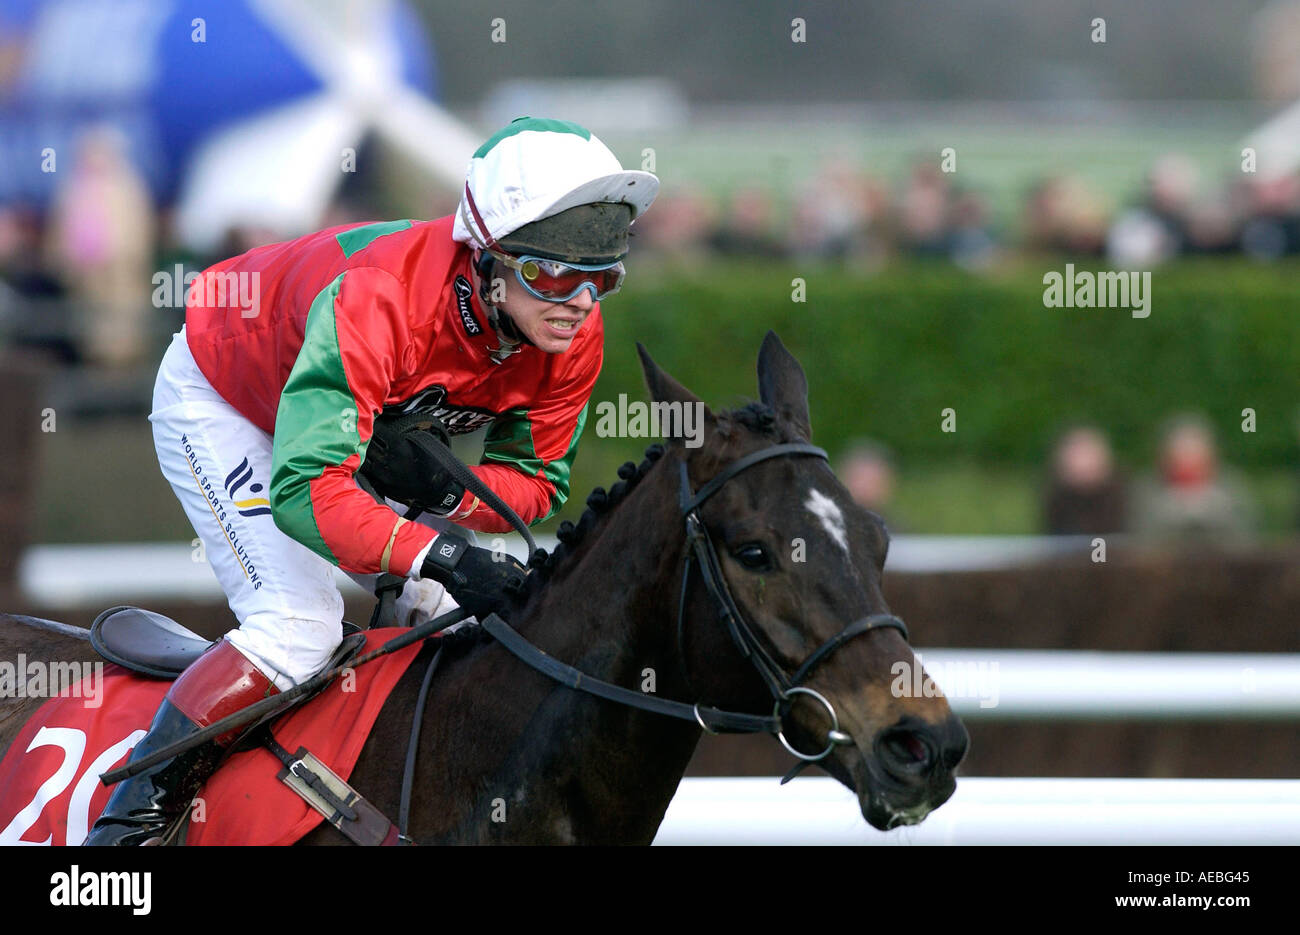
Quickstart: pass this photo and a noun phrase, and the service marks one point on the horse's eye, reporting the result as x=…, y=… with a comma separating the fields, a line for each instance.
x=753, y=556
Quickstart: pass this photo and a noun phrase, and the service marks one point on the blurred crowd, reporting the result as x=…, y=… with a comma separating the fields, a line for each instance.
x=100, y=242
x=1189, y=495
x=81, y=278
x=844, y=214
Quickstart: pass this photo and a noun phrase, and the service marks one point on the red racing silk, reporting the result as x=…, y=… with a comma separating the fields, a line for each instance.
x=311, y=338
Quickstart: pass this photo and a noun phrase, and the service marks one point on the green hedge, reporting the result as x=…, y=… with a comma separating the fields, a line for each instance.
x=886, y=353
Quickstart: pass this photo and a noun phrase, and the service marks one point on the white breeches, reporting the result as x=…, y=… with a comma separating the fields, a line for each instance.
x=289, y=609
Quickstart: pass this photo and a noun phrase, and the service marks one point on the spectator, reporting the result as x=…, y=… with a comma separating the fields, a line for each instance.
x=835, y=212
x=1192, y=498
x=1213, y=227
x=33, y=311
x=867, y=472
x=1158, y=228
x=1272, y=228
x=1085, y=495
x=1063, y=214
x=101, y=238
x=21, y=264
x=970, y=242
x=679, y=227
x=1170, y=190
x=924, y=210
x=747, y=230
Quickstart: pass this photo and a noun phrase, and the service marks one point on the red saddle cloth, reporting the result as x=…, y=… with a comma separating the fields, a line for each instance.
x=50, y=791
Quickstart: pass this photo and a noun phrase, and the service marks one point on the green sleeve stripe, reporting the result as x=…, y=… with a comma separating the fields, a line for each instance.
x=510, y=441
x=315, y=424
x=557, y=472
x=351, y=241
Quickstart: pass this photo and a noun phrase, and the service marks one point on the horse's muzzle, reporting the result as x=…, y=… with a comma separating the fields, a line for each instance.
x=910, y=770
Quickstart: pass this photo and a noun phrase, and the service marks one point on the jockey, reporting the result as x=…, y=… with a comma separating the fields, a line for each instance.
x=269, y=396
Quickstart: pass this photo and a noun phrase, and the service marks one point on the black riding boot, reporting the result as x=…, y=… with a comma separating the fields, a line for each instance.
x=143, y=806
x=219, y=683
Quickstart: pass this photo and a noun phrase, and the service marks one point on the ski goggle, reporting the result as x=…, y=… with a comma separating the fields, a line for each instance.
x=559, y=282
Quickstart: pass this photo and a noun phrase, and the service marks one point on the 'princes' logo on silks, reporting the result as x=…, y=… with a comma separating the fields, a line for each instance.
x=463, y=292
x=250, y=506
x=457, y=420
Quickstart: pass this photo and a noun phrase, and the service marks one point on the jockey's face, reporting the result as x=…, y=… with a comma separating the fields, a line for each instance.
x=549, y=325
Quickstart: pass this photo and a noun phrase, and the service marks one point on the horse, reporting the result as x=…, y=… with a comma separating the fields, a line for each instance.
x=507, y=754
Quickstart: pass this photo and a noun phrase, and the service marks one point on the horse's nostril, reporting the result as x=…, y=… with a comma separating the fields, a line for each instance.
x=918, y=750
x=908, y=750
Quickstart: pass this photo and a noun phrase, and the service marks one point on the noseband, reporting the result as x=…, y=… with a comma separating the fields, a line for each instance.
x=702, y=553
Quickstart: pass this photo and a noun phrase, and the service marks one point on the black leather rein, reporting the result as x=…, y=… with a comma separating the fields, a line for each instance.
x=701, y=551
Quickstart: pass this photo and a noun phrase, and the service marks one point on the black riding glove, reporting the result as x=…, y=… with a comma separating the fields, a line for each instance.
x=479, y=580
x=401, y=469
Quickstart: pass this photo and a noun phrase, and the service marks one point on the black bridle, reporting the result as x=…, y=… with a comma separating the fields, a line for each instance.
x=701, y=551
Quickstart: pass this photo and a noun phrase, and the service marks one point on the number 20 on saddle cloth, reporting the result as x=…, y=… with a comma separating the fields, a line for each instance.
x=50, y=791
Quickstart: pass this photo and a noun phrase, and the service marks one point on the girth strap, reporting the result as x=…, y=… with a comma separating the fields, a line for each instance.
x=351, y=813
x=412, y=750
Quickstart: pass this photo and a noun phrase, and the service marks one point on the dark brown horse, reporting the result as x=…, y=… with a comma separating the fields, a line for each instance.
x=508, y=755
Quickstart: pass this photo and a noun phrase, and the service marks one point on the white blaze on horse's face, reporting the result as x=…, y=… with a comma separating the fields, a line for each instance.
x=832, y=520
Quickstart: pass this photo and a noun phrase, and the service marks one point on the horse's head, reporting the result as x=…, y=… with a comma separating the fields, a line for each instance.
x=802, y=562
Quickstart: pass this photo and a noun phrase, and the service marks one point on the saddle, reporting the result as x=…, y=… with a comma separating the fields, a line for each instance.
x=154, y=645
x=151, y=644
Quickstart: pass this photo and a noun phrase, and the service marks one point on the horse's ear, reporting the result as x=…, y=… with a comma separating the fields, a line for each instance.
x=782, y=384
x=664, y=389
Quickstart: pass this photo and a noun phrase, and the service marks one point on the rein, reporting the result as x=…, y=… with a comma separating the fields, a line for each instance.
x=388, y=586
x=702, y=552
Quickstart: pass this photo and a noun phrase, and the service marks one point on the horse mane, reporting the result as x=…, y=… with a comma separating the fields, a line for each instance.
x=599, y=504
x=758, y=418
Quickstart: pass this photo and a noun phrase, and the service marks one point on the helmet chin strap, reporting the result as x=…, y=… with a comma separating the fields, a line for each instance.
x=509, y=337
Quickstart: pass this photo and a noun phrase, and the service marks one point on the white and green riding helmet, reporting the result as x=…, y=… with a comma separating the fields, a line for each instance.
x=550, y=188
